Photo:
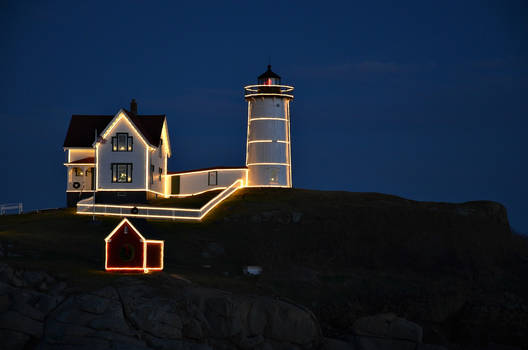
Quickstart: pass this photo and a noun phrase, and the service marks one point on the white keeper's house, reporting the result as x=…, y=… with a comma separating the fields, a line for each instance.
x=122, y=158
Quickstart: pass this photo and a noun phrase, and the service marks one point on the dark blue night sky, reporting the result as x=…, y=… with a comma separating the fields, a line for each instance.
x=423, y=101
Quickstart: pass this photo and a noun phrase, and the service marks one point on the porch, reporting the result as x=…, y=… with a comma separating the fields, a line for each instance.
x=81, y=178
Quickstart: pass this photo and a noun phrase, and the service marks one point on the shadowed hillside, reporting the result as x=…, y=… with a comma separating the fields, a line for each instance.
x=455, y=269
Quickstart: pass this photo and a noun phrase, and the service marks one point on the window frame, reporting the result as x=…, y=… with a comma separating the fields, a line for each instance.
x=209, y=182
x=129, y=143
x=128, y=172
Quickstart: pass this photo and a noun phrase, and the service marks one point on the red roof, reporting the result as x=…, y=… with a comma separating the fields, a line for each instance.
x=203, y=169
x=82, y=129
x=90, y=160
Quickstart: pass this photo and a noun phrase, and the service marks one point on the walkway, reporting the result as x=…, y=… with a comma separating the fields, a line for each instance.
x=88, y=207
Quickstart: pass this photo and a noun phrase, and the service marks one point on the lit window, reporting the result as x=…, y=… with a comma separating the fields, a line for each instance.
x=121, y=172
x=78, y=171
x=273, y=176
x=122, y=143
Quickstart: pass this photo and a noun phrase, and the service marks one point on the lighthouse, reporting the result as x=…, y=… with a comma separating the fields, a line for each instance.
x=268, y=150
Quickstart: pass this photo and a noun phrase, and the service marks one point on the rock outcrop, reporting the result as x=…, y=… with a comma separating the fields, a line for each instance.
x=158, y=312
x=38, y=311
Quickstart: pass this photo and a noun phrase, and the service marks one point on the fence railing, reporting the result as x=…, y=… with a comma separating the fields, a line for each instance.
x=11, y=206
x=88, y=207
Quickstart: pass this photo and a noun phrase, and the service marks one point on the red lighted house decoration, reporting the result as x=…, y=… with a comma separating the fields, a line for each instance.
x=126, y=250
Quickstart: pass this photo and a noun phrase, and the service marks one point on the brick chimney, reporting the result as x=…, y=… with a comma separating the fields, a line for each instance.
x=133, y=106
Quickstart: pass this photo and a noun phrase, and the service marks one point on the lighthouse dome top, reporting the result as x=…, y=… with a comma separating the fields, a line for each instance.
x=269, y=77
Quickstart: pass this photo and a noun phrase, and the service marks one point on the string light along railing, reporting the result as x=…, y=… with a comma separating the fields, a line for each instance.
x=87, y=207
x=268, y=90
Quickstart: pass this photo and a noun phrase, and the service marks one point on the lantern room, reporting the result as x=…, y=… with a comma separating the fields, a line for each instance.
x=269, y=77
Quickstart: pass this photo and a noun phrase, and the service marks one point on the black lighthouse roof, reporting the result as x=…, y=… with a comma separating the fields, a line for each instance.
x=268, y=74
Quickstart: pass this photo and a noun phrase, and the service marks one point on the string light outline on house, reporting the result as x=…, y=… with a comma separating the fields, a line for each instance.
x=121, y=114
x=144, y=241
x=79, y=164
x=148, y=147
x=203, y=210
x=285, y=164
x=267, y=118
x=205, y=171
x=146, y=169
x=263, y=154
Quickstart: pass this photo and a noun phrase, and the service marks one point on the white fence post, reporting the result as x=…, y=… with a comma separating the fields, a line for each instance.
x=11, y=206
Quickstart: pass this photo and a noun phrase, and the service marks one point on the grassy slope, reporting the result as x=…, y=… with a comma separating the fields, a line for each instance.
x=382, y=251
x=337, y=231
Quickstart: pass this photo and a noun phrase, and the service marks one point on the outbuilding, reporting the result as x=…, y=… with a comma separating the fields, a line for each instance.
x=127, y=250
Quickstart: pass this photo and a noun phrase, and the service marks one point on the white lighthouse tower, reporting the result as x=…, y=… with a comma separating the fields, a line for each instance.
x=268, y=156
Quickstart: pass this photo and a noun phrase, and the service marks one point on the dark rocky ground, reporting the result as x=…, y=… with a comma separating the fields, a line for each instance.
x=341, y=271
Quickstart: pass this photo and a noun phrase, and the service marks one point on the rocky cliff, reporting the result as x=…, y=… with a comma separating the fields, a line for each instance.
x=340, y=271
x=165, y=312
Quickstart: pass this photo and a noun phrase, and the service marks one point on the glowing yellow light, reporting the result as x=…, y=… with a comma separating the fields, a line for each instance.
x=206, y=171
x=80, y=164
x=284, y=164
x=166, y=141
x=200, y=213
x=252, y=93
x=121, y=190
x=256, y=88
x=166, y=184
x=257, y=141
x=182, y=195
x=121, y=115
x=97, y=166
x=146, y=168
x=247, y=145
x=268, y=118
x=269, y=94
x=82, y=151
x=287, y=113
x=134, y=206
